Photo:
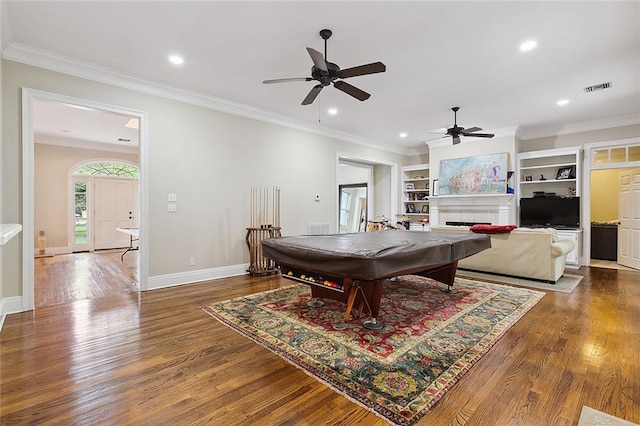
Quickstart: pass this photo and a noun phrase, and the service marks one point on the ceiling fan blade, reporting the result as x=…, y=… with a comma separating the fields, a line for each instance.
x=472, y=129
x=318, y=59
x=285, y=80
x=312, y=94
x=440, y=137
x=372, y=68
x=479, y=135
x=456, y=139
x=351, y=90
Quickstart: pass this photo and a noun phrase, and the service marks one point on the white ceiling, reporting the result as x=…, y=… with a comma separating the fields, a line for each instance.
x=73, y=125
x=438, y=55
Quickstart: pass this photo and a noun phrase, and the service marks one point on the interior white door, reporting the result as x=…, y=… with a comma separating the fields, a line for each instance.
x=115, y=206
x=629, y=212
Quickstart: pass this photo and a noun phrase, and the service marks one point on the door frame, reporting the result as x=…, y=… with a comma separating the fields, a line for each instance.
x=29, y=96
x=586, y=187
x=356, y=159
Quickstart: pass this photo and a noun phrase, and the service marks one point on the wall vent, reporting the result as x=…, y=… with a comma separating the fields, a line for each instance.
x=319, y=228
x=597, y=87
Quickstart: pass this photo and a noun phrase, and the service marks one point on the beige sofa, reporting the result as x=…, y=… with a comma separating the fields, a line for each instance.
x=524, y=252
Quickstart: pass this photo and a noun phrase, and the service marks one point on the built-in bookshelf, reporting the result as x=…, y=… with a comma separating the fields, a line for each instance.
x=415, y=195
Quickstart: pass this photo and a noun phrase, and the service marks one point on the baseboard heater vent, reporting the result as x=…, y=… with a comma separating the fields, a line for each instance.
x=319, y=228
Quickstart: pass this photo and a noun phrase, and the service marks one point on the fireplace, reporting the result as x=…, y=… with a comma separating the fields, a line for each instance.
x=494, y=209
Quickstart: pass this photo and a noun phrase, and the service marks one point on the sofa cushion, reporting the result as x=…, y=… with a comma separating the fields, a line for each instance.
x=552, y=231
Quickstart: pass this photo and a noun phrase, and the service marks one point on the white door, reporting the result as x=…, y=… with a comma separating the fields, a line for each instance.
x=115, y=206
x=629, y=228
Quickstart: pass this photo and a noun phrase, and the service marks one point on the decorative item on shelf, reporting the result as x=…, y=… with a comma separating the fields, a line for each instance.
x=538, y=193
x=572, y=191
x=410, y=208
x=419, y=177
x=425, y=209
x=412, y=196
x=528, y=178
x=565, y=173
x=510, y=190
x=409, y=186
x=421, y=196
x=542, y=177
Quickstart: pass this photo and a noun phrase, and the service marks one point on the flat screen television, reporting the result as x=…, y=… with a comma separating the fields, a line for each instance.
x=554, y=212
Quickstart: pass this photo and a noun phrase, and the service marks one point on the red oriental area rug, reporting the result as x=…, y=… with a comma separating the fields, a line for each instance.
x=429, y=341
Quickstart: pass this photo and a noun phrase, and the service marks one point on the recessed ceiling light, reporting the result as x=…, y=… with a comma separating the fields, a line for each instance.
x=562, y=102
x=403, y=135
x=528, y=45
x=176, y=60
x=332, y=111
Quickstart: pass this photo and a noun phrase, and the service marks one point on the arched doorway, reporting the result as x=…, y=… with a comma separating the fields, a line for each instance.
x=104, y=197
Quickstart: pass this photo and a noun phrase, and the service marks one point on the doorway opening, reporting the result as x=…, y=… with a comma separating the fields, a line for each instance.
x=353, y=208
x=104, y=199
x=52, y=196
x=612, y=231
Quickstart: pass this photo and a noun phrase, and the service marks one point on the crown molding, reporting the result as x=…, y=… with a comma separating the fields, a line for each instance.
x=40, y=58
x=585, y=126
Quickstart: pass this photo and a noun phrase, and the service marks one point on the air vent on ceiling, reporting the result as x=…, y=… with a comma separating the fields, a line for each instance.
x=597, y=87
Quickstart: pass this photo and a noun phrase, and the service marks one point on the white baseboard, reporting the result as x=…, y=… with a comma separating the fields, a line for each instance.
x=9, y=305
x=180, y=278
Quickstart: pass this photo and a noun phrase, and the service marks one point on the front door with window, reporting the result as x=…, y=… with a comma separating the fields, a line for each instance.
x=105, y=197
x=115, y=207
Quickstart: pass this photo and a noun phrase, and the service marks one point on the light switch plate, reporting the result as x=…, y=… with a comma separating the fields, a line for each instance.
x=172, y=198
x=172, y=207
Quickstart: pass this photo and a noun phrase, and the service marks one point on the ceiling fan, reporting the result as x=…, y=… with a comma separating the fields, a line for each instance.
x=325, y=73
x=456, y=130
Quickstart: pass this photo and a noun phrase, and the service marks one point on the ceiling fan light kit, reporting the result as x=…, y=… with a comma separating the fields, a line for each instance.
x=327, y=73
x=456, y=131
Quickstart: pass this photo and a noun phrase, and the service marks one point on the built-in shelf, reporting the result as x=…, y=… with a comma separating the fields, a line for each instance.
x=415, y=195
x=8, y=231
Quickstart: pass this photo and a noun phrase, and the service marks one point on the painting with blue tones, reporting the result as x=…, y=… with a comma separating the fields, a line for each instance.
x=484, y=174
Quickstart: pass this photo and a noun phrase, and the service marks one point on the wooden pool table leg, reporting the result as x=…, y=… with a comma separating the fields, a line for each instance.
x=446, y=275
x=375, y=296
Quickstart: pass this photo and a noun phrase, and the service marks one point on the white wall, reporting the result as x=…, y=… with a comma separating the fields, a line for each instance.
x=210, y=159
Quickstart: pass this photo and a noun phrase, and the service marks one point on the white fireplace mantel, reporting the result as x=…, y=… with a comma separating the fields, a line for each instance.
x=497, y=209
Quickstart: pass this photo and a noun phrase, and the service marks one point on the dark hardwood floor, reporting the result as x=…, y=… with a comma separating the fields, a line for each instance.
x=157, y=358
